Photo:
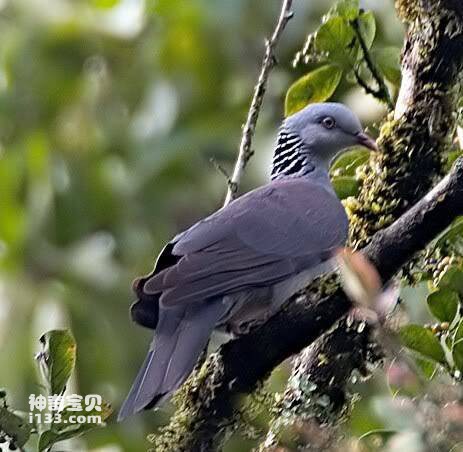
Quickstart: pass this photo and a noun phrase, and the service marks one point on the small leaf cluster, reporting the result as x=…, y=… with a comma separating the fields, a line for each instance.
x=342, y=45
x=14, y=428
x=345, y=172
x=56, y=363
x=441, y=342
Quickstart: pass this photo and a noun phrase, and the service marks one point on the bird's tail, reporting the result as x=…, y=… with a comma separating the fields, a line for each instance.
x=181, y=335
x=145, y=311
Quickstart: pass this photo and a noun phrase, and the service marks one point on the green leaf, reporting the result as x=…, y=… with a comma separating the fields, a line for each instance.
x=421, y=340
x=452, y=234
x=57, y=359
x=105, y=412
x=367, y=25
x=336, y=39
x=427, y=367
x=348, y=162
x=348, y=9
x=388, y=61
x=444, y=304
x=384, y=433
x=50, y=437
x=451, y=157
x=345, y=186
x=316, y=86
x=452, y=279
x=14, y=426
x=457, y=349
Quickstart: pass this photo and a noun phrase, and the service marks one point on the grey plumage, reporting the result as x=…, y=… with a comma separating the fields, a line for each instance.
x=235, y=268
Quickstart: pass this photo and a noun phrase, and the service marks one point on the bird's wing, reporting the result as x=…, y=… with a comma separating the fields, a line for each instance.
x=260, y=239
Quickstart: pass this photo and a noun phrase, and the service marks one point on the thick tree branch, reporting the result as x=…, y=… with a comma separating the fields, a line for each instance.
x=412, y=149
x=245, y=151
x=207, y=401
x=392, y=247
x=412, y=144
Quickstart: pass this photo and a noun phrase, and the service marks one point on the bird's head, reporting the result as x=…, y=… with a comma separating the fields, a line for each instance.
x=316, y=135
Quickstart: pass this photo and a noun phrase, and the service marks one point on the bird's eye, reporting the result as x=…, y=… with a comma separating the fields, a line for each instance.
x=328, y=122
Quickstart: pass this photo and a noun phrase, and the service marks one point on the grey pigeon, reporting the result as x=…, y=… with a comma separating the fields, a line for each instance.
x=235, y=268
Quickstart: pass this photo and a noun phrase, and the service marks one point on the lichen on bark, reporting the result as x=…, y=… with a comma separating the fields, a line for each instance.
x=192, y=401
x=413, y=142
x=396, y=176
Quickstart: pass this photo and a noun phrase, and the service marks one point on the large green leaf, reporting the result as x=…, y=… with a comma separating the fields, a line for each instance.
x=450, y=158
x=452, y=278
x=348, y=9
x=347, y=163
x=427, y=367
x=316, y=86
x=14, y=426
x=336, y=39
x=57, y=359
x=367, y=25
x=50, y=437
x=388, y=61
x=444, y=304
x=104, y=3
x=423, y=341
x=345, y=186
x=452, y=234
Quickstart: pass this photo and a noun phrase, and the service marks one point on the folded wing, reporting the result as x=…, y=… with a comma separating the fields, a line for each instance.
x=260, y=239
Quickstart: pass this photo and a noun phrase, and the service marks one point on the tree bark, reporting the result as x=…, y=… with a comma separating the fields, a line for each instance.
x=411, y=157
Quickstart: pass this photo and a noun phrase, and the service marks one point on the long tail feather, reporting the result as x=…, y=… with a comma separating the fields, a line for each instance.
x=180, y=338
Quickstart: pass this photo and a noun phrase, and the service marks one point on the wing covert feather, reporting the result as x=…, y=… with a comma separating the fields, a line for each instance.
x=260, y=239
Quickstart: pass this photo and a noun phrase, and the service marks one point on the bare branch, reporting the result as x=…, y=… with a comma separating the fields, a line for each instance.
x=222, y=171
x=245, y=151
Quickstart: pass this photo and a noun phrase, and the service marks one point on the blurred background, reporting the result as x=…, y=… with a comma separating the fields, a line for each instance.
x=110, y=111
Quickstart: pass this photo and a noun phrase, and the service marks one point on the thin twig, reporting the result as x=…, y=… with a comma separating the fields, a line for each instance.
x=222, y=171
x=382, y=93
x=268, y=62
x=368, y=89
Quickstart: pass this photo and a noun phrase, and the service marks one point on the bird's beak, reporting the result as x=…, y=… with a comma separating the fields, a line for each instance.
x=364, y=140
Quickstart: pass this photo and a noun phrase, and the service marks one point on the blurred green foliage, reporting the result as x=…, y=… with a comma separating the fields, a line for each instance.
x=51, y=414
x=109, y=113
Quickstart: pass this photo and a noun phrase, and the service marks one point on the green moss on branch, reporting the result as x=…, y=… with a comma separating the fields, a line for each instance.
x=412, y=144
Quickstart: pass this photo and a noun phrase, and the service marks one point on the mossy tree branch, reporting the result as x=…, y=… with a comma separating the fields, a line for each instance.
x=412, y=146
x=413, y=142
